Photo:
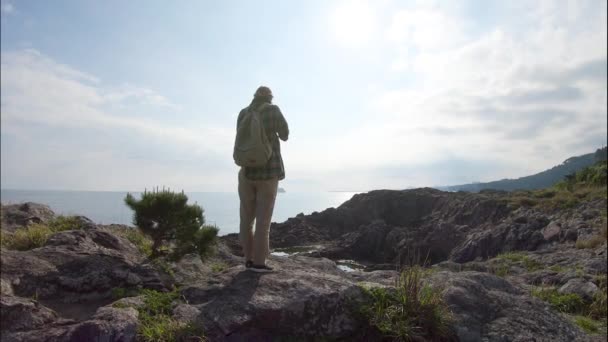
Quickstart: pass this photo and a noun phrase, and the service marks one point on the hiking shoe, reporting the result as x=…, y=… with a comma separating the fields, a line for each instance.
x=260, y=268
x=248, y=264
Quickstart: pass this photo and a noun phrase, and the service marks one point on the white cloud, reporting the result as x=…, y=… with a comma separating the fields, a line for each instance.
x=7, y=8
x=139, y=94
x=35, y=90
x=501, y=94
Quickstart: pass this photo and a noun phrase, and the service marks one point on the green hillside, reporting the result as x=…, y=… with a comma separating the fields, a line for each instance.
x=540, y=180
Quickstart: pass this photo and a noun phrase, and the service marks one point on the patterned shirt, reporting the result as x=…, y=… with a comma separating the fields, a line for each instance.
x=275, y=127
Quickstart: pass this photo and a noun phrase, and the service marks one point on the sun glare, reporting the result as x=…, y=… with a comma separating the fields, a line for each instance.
x=353, y=23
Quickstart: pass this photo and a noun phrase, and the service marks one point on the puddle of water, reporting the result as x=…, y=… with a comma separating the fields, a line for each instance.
x=346, y=268
x=294, y=250
x=344, y=265
x=349, y=265
x=76, y=311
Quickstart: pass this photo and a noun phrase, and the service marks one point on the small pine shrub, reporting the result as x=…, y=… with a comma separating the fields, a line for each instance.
x=166, y=216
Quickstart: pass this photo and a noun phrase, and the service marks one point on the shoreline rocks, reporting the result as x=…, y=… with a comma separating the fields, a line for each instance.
x=62, y=291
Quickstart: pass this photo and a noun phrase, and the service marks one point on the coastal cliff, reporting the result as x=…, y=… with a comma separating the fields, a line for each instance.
x=496, y=257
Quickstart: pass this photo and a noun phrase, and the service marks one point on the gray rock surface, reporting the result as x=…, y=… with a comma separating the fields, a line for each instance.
x=383, y=226
x=585, y=289
x=304, y=298
x=78, y=265
x=489, y=308
x=19, y=215
x=108, y=324
x=308, y=298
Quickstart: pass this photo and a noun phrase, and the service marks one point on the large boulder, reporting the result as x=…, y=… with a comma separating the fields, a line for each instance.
x=521, y=231
x=20, y=314
x=489, y=308
x=304, y=298
x=581, y=287
x=77, y=266
x=15, y=216
x=107, y=324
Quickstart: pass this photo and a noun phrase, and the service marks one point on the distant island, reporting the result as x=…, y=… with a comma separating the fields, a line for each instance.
x=281, y=190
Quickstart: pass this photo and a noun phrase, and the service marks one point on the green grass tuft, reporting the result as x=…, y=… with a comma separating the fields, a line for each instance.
x=599, y=307
x=121, y=292
x=566, y=303
x=35, y=235
x=508, y=258
x=502, y=270
x=165, y=328
x=589, y=325
x=592, y=242
x=411, y=310
x=218, y=267
x=156, y=323
x=62, y=223
x=558, y=268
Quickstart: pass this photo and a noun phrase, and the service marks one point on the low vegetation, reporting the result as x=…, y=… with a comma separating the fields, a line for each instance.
x=587, y=184
x=592, y=242
x=122, y=292
x=155, y=317
x=565, y=303
x=136, y=237
x=591, y=317
x=35, y=235
x=218, y=267
x=590, y=326
x=412, y=310
x=599, y=307
x=502, y=263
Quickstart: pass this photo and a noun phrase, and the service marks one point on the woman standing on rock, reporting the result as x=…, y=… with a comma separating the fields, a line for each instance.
x=258, y=151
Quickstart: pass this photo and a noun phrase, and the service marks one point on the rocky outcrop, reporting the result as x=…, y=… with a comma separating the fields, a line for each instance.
x=489, y=308
x=18, y=215
x=78, y=265
x=381, y=227
x=304, y=298
x=62, y=290
x=28, y=321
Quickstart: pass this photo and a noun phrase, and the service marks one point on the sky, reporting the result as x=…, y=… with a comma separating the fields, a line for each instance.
x=126, y=95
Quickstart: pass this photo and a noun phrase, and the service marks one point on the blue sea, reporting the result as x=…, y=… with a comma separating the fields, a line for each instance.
x=221, y=208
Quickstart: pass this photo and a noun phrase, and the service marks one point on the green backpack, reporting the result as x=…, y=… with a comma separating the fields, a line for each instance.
x=251, y=146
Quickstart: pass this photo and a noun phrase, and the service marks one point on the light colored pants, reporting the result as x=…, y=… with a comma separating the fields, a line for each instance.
x=257, y=202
